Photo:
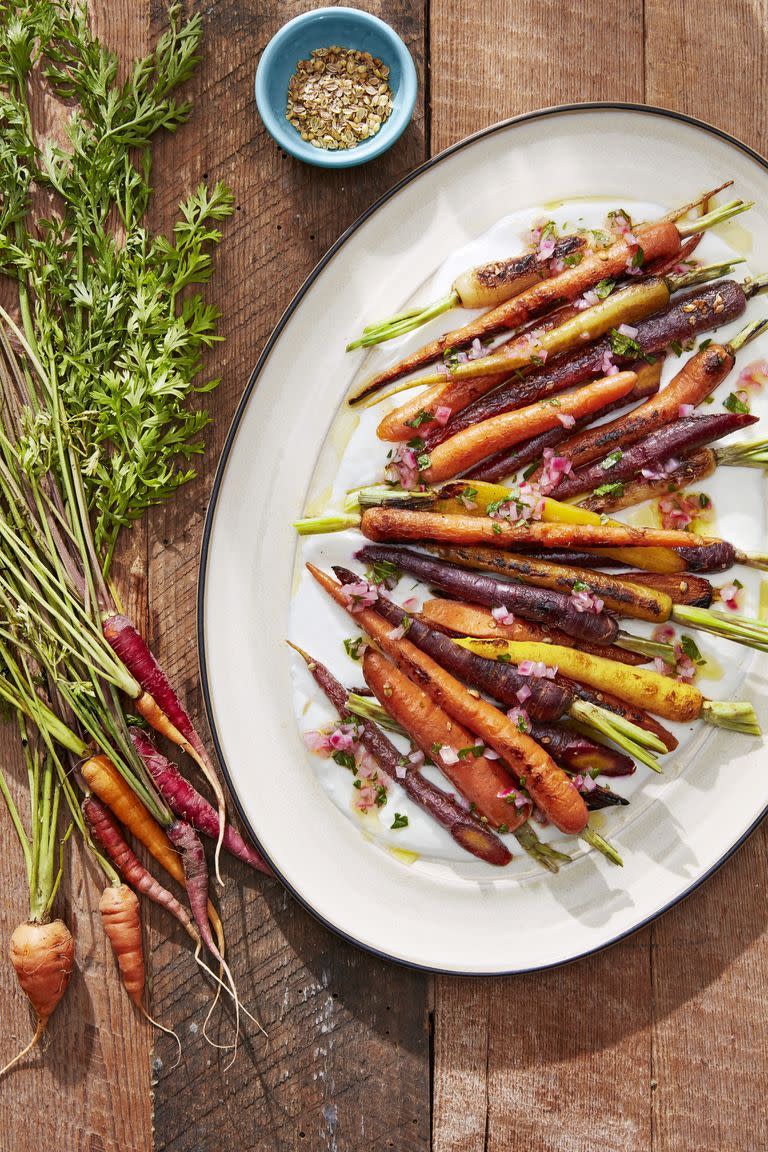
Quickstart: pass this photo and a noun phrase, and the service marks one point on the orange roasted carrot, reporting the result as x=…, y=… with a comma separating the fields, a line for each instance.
x=470, y=620
x=475, y=443
x=481, y=781
x=549, y=787
x=658, y=240
x=401, y=524
x=698, y=377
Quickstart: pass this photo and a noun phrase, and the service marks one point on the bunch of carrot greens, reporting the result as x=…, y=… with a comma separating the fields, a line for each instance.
x=97, y=423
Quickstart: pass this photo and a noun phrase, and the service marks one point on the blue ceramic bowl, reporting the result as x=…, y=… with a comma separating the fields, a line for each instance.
x=323, y=28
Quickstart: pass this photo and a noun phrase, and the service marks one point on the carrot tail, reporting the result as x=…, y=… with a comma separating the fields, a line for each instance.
x=25, y=1051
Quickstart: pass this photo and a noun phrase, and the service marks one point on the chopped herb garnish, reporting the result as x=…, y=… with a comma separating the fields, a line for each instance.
x=619, y=213
x=354, y=648
x=417, y=444
x=423, y=417
x=383, y=572
x=704, y=500
x=497, y=529
x=502, y=828
x=346, y=760
x=473, y=750
x=400, y=821
x=689, y=646
x=467, y=493
x=623, y=345
x=734, y=404
x=580, y=586
x=357, y=783
x=612, y=459
x=381, y=795
x=616, y=489
x=737, y=584
x=705, y=344
x=423, y=461
x=676, y=347
x=504, y=658
x=601, y=239
x=573, y=260
x=529, y=471
x=603, y=288
x=435, y=749
x=637, y=258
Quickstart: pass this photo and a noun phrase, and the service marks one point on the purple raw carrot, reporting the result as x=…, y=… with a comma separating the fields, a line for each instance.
x=160, y=706
x=186, y=802
x=187, y=842
x=106, y=832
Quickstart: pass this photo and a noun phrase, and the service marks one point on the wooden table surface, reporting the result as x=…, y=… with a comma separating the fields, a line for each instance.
x=658, y=1045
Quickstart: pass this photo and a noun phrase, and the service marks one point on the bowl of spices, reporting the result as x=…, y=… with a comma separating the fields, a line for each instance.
x=336, y=87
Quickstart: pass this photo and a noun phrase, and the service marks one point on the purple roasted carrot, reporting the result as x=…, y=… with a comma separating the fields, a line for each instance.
x=653, y=452
x=539, y=604
x=464, y=827
x=544, y=700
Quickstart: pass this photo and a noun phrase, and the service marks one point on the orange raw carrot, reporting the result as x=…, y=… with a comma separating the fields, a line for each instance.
x=43, y=956
x=119, y=908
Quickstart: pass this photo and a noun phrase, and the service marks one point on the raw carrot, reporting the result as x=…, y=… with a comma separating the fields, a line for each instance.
x=547, y=784
x=43, y=956
x=469, y=447
x=107, y=832
x=484, y=783
x=470, y=620
x=186, y=802
x=381, y=524
x=119, y=908
x=160, y=706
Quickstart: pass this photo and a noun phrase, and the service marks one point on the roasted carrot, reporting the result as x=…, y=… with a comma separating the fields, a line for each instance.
x=543, y=605
x=467, y=448
x=619, y=596
x=548, y=785
x=657, y=241
x=119, y=908
x=696, y=380
x=108, y=834
x=653, y=451
x=462, y=825
x=638, y=686
x=380, y=524
x=470, y=620
x=484, y=783
x=692, y=469
x=524, y=354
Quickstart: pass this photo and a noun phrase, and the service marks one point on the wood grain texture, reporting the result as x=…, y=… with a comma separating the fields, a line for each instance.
x=346, y=1066
x=88, y=1089
x=493, y=60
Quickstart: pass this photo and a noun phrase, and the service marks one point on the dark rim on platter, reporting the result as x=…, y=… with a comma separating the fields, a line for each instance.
x=599, y=106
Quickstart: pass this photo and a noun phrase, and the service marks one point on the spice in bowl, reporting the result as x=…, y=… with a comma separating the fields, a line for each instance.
x=339, y=97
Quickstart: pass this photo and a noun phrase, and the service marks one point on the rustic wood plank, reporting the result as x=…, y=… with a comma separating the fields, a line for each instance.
x=88, y=1089
x=557, y=1062
x=347, y=1063
x=710, y=956
x=493, y=60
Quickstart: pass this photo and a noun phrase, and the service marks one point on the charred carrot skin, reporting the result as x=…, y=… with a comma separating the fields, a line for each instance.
x=464, y=827
x=509, y=461
x=698, y=377
x=578, y=754
x=701, y=310
x=658, y=241
x=474, y=444
x=382, y=524
x=503, y=682
x=547, y=784
x=481, y=781
x=693, y=468
x=459, y=619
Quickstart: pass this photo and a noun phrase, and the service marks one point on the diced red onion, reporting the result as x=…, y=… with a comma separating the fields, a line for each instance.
x=396, y=633
x=448, y=755
x=442, y=414
x=685, y=410
x=566, y=419
x=359, y=595
x=523, y=693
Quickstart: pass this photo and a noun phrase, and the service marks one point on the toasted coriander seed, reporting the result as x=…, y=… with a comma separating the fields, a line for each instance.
x=338, y=97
